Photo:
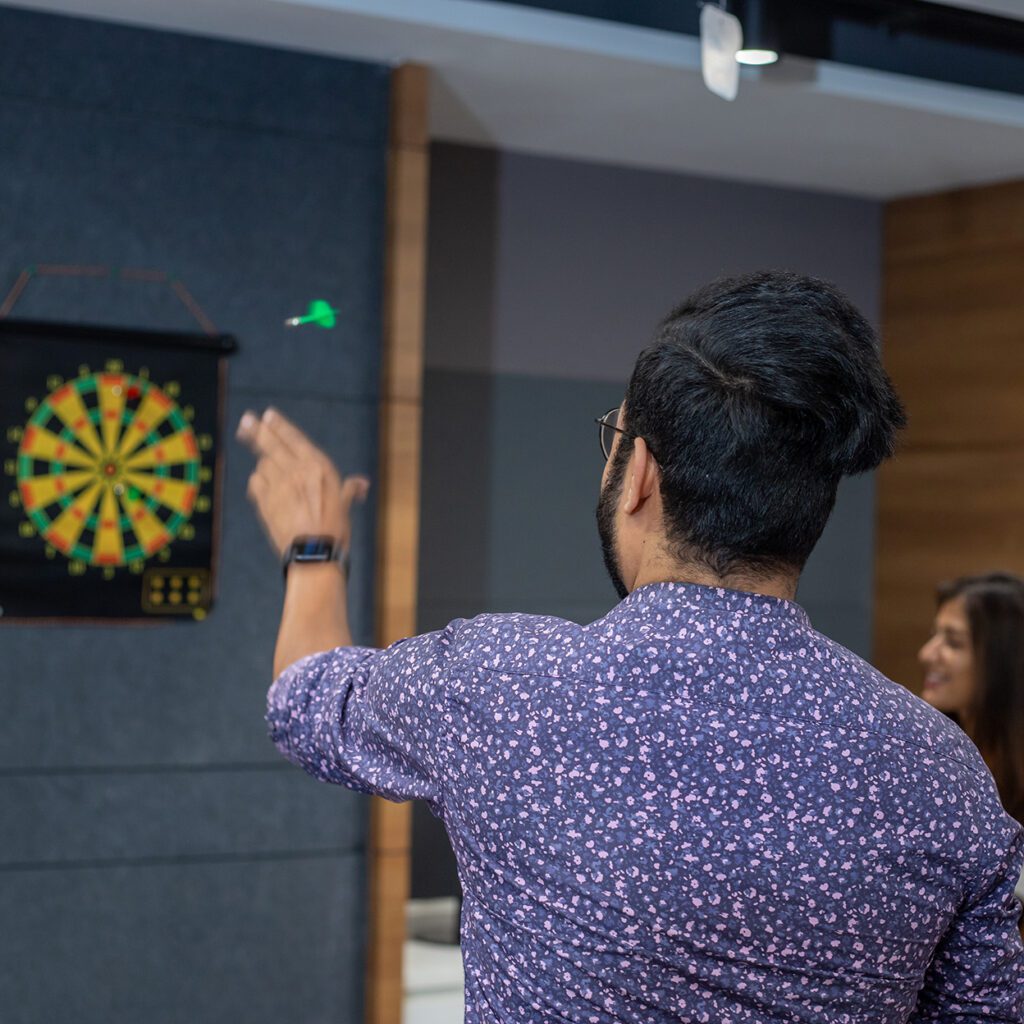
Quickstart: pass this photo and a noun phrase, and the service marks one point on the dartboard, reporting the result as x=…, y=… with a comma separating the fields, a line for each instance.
x=109, y=468
x=110, y=450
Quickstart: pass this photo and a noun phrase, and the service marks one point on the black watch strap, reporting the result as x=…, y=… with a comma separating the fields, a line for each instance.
x=304, y=550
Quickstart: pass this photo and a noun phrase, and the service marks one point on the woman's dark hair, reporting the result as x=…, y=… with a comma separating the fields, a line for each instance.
x=758, y=394
x=994, y=604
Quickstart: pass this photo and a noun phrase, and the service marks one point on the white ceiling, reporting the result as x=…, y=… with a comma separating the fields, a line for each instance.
x=540, y=82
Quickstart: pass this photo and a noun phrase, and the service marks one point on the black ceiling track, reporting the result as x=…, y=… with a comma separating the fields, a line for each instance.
x=910, y=37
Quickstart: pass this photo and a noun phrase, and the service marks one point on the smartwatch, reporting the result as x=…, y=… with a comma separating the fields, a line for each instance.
x=310, y=549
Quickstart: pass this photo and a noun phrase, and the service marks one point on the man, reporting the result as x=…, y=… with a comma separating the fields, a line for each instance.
x=696, y=808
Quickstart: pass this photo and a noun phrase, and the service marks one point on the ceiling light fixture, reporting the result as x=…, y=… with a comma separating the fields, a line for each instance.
x=760, y=35
x=756, y=58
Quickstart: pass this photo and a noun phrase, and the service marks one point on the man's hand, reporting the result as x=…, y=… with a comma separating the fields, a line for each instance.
x=296, y=489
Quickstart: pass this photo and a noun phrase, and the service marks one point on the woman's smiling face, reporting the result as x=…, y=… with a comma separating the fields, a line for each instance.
x=948, y=660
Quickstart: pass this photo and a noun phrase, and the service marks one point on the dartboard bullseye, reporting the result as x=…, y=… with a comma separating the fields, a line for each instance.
x=109, y=469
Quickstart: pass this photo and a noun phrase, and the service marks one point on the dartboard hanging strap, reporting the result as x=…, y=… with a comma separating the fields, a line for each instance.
x=142, y=276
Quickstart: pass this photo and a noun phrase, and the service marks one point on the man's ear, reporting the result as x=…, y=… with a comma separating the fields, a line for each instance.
x=642, y=477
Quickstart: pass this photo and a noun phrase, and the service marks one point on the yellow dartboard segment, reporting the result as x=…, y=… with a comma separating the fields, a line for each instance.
x=68, y=526
x=176, y=448
x=175, y=494
x=112, y=401
x=67, y=403
x=155, y=408
x=109, y=545
x=45, y=446
x=148, y=528
x=45, y=490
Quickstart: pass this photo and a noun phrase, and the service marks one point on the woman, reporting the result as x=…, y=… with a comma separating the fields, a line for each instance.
x=974, y=672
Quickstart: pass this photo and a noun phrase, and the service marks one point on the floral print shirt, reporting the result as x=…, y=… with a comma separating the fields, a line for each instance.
x=694, y=809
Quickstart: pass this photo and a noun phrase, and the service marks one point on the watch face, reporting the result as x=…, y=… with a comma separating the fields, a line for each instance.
x=312, y=549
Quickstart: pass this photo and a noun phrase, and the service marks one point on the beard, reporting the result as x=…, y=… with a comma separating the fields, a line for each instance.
x=607, y=502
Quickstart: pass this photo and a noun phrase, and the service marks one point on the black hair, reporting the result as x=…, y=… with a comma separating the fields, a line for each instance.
x=994, y=603
x=758, y=394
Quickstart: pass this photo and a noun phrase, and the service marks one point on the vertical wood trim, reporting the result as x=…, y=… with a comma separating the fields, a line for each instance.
x=398, y=505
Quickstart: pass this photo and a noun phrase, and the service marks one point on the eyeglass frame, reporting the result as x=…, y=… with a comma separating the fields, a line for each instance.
x=602, y=423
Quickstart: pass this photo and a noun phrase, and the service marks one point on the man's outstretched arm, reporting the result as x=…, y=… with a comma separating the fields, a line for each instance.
x=367, y=719
x=298, y=492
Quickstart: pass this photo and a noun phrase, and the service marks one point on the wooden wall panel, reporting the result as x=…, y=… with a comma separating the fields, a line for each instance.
x=399, y=504
x=966, y=220
x=953, y=342
x=952, y=502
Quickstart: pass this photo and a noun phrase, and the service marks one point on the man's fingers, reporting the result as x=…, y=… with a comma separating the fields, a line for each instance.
x=289, y=436
x=257, y=486
x=353, y=488
x=248, y=427
x=265, y=443
x=255, y=434
x=271, y=475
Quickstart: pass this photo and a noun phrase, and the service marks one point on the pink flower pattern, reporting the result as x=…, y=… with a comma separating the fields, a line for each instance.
x=694, y=809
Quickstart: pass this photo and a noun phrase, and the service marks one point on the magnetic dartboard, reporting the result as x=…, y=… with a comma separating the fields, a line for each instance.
x=114, y=472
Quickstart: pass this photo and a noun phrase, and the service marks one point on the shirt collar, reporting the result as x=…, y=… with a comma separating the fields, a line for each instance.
x=709, y=600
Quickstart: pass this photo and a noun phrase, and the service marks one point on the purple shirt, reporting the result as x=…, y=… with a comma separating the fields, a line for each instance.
x=695, y=809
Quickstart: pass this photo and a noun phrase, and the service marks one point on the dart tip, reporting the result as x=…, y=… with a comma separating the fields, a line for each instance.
x=293, y=321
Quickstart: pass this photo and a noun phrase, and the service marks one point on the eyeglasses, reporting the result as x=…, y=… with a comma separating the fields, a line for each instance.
x=607, y=428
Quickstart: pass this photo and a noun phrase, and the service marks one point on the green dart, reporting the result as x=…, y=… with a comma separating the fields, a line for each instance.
x=319, y=312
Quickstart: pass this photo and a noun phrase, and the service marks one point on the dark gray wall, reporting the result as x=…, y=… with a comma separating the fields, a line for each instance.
x=545, y=279
x=159, y=861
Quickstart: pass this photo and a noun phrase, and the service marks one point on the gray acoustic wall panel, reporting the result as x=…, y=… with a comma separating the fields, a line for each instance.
x=546, y=277
x=159, y=861
x=557, y=268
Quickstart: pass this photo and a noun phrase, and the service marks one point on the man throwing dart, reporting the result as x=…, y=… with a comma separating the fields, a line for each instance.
x=696, y=808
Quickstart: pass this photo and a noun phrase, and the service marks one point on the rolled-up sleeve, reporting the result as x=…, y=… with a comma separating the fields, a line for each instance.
x=372, y=720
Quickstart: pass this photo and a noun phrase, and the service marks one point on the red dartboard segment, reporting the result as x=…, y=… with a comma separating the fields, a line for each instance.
x=159, y=541
x=60, y=542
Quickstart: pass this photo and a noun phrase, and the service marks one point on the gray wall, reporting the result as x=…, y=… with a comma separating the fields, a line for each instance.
x=545, y=279
x=159, y=861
